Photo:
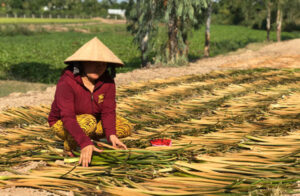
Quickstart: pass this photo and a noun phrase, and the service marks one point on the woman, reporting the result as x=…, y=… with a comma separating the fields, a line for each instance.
x=84, y=105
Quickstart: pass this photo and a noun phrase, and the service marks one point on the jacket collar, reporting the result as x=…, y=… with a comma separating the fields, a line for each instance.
x=78, y=79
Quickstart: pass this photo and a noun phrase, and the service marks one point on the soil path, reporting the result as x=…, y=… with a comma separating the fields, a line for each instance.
x=65, y=27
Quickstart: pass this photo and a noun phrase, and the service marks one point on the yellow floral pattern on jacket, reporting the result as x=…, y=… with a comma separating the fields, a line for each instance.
x=100, y=98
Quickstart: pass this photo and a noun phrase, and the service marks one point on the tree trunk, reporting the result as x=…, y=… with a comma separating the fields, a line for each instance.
x=186, y=48
x=207, y=31
x=278, y=23
x=268, y=19
x=172, y=35
x=185, y=51
x=144, y=45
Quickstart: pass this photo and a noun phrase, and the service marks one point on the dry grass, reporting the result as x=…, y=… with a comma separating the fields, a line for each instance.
x=234, y=132
x=10, y=86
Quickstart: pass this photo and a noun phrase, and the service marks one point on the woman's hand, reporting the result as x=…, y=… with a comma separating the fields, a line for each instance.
x=116, y=142
x=86, y=155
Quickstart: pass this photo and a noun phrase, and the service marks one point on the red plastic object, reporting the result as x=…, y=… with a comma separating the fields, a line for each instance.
x=161, y=142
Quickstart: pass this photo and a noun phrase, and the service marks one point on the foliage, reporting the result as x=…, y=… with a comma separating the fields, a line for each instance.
x=178, y=17
x=38, y=57
x=253, y=13
x=71, y=8
x=225, y=38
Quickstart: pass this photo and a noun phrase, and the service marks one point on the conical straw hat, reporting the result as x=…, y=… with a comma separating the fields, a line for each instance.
x=94, y=50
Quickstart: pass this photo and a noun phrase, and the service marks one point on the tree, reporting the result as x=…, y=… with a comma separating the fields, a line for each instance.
x=90, y=7
x=143, y=20
x=207, y=29
x=177, y=16
x=242, y=12
x=59, y=7
x=279, y=19
x=180, y=16
x=268, y=25
x=258, y=14
x=291, y=15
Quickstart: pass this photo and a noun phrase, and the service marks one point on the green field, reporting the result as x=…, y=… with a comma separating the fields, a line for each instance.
x=39, y=57
x=226, y=38
x=42, y=20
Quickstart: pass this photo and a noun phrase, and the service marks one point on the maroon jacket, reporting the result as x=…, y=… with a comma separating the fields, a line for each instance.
x=73, y=98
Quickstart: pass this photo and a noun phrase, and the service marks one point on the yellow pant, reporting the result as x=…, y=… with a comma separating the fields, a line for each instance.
x=94, y=130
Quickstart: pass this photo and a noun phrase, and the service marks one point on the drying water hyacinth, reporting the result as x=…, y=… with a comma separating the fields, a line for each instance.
x=234, y=132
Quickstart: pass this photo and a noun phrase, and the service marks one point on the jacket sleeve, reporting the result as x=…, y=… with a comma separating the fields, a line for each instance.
x=108, y=113
x=65, y=101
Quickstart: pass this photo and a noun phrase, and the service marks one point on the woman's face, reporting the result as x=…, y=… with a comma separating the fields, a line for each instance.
x=94, y=70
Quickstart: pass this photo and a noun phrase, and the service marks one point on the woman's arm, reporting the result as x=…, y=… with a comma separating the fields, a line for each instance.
x=108, y=116
x=108, y=113
x=65, y=96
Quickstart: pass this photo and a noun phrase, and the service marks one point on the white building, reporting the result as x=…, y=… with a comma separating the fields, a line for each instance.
x=117, y=12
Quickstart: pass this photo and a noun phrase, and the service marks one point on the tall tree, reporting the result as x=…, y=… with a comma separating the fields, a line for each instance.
x=90, y=7
x=207, y=28
x=291, y=15
x=268, y=24
x=259, y=13
x=180, y=16
x=279, y=19
x=143, y=19
x=176, y=16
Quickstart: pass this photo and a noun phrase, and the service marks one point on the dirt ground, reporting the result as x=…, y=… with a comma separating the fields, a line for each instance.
x=285, y=54
x=66, y=27
x=110, y=20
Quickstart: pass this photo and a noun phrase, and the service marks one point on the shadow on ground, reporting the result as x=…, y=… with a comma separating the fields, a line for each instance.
x=34, y=72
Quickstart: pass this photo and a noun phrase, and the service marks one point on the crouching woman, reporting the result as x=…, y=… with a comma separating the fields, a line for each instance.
x=84, y=105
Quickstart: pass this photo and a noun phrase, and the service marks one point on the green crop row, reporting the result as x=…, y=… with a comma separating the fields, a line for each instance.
x=39, y=56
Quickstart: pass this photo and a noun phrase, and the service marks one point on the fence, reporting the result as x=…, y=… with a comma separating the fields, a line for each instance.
x=44, y=16
x=113, y=16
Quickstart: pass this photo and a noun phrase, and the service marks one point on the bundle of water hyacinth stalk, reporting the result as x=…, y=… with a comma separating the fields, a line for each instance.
x=111, y=167
x=235, y=132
